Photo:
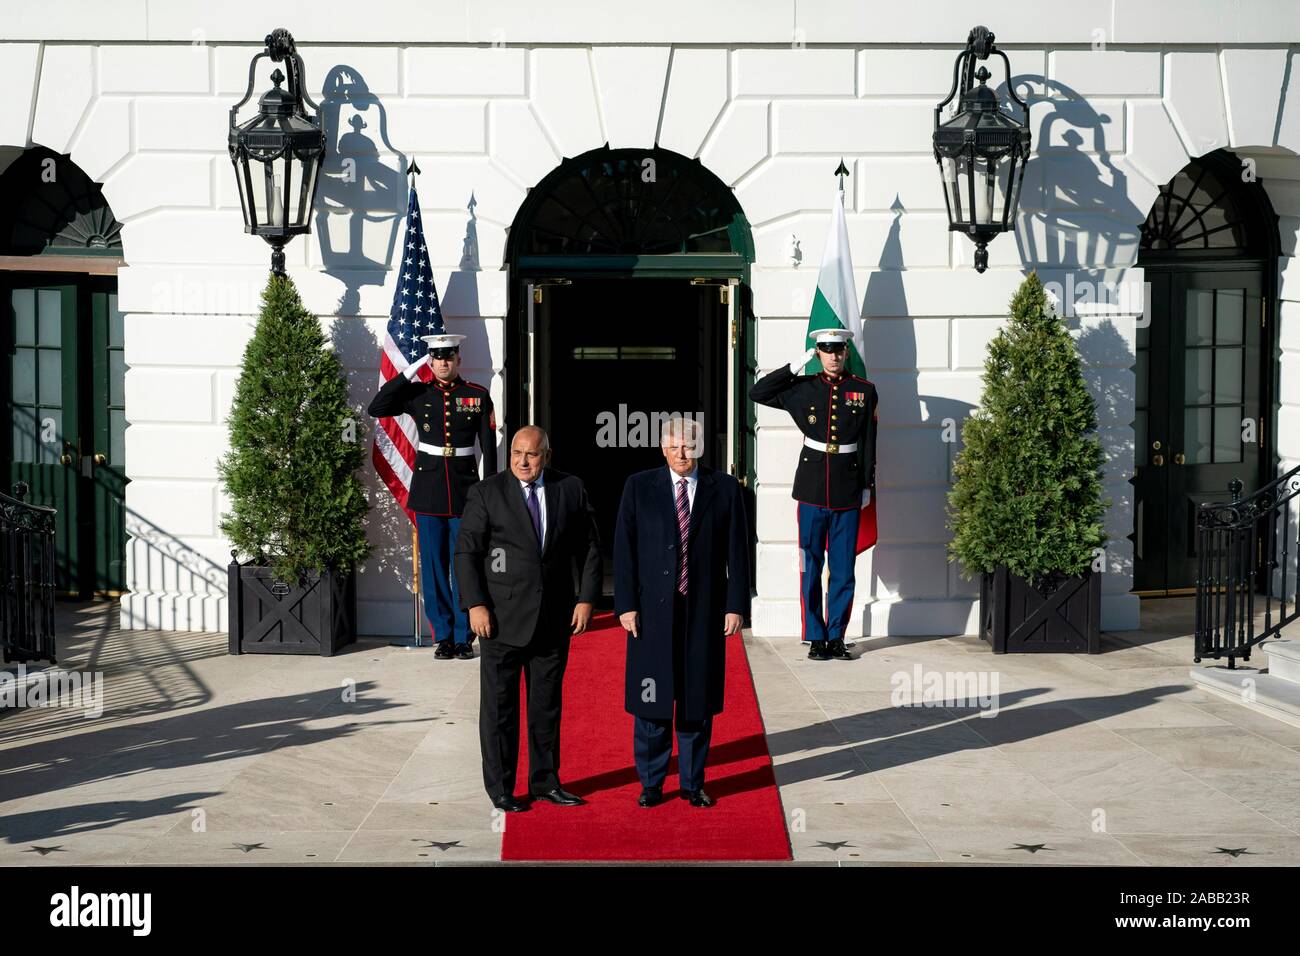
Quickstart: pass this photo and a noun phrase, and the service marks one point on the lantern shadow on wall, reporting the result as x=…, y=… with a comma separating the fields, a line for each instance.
x=1075, y=209
x=362, y=198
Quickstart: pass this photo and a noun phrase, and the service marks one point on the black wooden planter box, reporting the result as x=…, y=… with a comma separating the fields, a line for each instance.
x=268, y=616
x=1063, y=616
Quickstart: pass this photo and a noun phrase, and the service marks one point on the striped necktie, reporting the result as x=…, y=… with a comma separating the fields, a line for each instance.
x=683, y=526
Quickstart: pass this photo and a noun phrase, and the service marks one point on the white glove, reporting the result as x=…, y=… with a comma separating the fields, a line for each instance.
x=797, y=365
x=412, y=370
x=866, y=497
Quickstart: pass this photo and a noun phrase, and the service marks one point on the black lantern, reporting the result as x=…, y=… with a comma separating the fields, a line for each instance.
x=981, y=150
x=278, y=152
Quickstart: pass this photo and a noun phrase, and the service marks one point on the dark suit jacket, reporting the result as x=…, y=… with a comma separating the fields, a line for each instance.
x=498, y=564
x=645, y=580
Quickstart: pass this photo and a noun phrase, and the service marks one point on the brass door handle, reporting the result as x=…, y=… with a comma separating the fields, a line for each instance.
x=1180, y=459
x=1157, y=460
x=65, y=459
x=101, y=458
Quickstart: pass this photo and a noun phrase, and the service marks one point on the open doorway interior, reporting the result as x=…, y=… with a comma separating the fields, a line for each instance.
x=613, y=358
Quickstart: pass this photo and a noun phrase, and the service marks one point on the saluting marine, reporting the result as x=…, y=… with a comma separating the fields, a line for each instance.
x=835, y=478
x=449, y=414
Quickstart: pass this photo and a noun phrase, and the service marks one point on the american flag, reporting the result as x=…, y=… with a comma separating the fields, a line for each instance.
x=415, y=312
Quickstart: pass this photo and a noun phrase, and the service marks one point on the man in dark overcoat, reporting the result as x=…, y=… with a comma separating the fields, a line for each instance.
x=681, y=586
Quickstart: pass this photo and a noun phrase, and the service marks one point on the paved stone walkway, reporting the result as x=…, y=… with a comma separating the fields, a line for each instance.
x=372, y=757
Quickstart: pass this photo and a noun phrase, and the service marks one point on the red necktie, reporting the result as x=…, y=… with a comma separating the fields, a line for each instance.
x=683, y=526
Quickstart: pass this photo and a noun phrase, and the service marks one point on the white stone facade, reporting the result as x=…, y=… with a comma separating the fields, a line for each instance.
x=491, y=95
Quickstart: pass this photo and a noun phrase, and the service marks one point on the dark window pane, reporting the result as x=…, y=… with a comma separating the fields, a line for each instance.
x=24, y=377
x=1230, y=313
x=115, y=319
x=24, y=302
x=117, y=437
x=24, y=434
x=1200, y=317
x=116, y=378
x=1197, y=387
x=49, y=316
x=1196, y=435
x=50, y=376
x=1227, y=376
x=1227, y=434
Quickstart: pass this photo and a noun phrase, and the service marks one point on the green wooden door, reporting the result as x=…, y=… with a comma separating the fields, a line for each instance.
x=64, y=382
x=43, y=398
x=107, y=466
x=1199, y=407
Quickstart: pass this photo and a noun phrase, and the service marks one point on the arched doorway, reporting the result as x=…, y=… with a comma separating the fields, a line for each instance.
x=1206, y=362
x=64, y=375
x=629, y=275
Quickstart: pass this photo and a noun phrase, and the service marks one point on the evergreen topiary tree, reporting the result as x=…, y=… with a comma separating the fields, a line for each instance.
x=296, y=500
x=1027, y=489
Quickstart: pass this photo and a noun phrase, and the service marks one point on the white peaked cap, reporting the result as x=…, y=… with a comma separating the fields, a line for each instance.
x=833, y=335
x=443, y=340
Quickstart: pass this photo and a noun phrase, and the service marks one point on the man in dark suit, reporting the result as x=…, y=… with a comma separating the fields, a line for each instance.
x=681, y=586
x=524, y=535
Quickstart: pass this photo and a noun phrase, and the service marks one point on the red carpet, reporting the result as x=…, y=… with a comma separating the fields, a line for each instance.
x=596, y=763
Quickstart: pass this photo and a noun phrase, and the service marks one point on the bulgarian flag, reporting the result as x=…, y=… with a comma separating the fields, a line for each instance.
x=836, y=306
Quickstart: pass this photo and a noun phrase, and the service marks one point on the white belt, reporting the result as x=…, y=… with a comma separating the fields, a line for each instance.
x=832, y=448
x=446, y=451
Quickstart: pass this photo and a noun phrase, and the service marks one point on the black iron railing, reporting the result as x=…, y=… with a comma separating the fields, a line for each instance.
x=26, y=578
x=1248, y=568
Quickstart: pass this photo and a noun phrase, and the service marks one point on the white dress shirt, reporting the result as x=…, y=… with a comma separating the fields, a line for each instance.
x=539, y=489
x=692, y=480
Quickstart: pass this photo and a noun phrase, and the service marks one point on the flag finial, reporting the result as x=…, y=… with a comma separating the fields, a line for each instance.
x=414, y=168
x=841, y=171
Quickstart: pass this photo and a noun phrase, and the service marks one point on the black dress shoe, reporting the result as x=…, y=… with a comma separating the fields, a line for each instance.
x=464, y=652
x=445, y=649
x=560, y=796
x=650, y=797
x=838, y=651
x=698, y=798
x=509, y=804
x=817, y=651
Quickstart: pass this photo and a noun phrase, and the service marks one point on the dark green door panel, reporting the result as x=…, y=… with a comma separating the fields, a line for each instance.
x=42, y=392
x=107, y=467
x=63, y=386
x=1199, y=407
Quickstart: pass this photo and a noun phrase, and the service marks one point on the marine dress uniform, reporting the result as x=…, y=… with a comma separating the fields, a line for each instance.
x=448, y=417
x=835, y=475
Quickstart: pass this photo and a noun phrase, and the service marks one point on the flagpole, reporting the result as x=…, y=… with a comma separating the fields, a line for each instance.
x=842, y=172
x=415, y=583
x=414, y=170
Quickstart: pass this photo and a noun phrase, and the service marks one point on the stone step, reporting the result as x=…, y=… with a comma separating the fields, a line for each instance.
x=1284, y=659
x=1253, y=688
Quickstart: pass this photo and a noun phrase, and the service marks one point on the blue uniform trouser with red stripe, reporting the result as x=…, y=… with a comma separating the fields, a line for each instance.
x=826, y=534
x=438, y=591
